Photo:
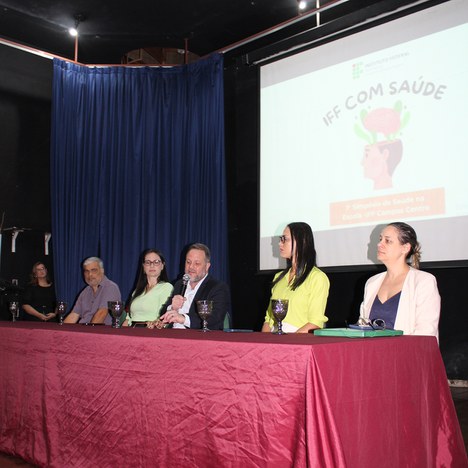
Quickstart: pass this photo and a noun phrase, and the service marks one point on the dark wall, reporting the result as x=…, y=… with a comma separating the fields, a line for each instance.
x=25, y=96
x=24, y=179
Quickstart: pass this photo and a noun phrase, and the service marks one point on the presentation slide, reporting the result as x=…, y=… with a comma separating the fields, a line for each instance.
x=366, y=130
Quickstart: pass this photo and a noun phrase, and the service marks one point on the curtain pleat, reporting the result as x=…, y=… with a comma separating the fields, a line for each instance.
x=137, y=161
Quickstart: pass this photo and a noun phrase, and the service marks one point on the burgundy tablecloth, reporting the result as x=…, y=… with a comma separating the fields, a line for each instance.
x=77, y=396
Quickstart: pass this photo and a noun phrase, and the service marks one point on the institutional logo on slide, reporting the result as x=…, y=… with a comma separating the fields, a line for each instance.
x=381, y=128
x=357, y=70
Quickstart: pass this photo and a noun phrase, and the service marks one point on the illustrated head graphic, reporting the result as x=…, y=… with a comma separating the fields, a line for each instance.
x=381, y=129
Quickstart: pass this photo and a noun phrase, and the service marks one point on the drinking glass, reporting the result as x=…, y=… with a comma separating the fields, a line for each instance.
x=61, y=311
x=205, y=308
x=279, y=309
x=14, y=309
x=115, y=308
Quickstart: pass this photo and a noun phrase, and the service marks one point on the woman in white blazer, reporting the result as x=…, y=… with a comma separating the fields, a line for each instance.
x=405, y=297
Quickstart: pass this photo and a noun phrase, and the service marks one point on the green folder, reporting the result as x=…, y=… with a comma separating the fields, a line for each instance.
x=353, y=333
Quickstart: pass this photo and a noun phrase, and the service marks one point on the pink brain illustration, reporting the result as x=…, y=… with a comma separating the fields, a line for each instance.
x=383, y=120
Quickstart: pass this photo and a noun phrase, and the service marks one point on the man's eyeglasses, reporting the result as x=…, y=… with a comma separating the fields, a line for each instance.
x=283, y=239
x=152, y=263
x=376, y=324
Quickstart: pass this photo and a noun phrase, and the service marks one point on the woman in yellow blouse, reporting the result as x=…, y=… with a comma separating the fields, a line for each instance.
x=301, y=282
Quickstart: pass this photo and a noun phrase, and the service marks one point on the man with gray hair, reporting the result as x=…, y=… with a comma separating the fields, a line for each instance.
x=91, y=305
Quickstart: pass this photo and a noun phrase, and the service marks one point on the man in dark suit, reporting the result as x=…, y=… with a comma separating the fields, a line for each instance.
x=182, y=312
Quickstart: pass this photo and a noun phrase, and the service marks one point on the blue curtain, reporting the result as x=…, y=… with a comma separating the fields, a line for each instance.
x=137, y=161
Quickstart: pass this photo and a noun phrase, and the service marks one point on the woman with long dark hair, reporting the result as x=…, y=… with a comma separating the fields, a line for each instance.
x=301, y=282
x=152, y=290
x=39, y=296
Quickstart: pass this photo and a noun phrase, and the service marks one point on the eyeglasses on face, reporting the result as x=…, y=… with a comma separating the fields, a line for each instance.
x=376, y=324
x=283, y=239
x=152, y=263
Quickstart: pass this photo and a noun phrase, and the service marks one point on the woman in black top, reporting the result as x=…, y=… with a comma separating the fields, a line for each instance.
x=39, y=296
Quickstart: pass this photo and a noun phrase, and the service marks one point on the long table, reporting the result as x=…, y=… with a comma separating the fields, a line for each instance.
x=81, y=396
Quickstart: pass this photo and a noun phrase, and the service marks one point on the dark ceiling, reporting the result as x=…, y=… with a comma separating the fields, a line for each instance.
x=111, y=28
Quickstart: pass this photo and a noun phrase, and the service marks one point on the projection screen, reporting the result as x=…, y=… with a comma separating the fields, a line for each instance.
x=366, y=130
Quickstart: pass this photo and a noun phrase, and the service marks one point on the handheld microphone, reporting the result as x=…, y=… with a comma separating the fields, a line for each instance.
x=185, y=280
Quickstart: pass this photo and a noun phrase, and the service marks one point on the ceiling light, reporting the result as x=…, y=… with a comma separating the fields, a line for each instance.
x=301, y=4
x=74, y=31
